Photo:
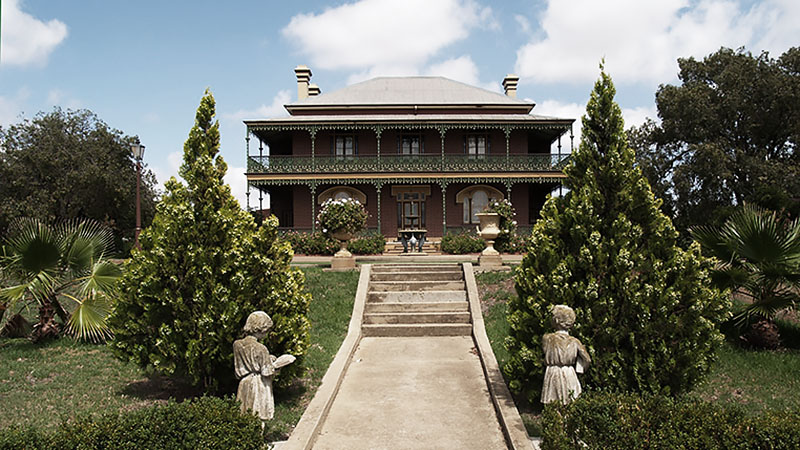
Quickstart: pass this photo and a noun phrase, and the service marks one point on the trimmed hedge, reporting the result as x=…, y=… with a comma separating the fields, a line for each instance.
x=630, y=422
x=318, y=243
x=461, y=243
x=209, y=423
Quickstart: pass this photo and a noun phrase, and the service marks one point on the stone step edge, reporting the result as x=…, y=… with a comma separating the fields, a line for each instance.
x=416, y=329
x=445, y=306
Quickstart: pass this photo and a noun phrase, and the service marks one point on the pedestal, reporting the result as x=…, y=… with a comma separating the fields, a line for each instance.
x=343, y=262
x=490, y=261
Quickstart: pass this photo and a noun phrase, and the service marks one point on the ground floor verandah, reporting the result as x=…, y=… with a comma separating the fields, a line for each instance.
x=395, y=205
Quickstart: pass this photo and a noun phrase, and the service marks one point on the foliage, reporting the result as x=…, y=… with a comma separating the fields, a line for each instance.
x=46, y=264
x=368, y=244
x=203, y=268
x=462, y=243
x=319, y=243
x=645, y=308
x=343, y=215
x=203, y=423
x=505, y=241
x=728, y=134
x=617, y=421
x=759, y=256
x=68, y=165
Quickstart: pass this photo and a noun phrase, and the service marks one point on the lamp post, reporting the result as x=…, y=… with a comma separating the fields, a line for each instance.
x=138, y=154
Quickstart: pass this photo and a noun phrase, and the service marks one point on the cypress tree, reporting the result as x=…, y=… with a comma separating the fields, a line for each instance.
x=645, y=307
x=203, y=268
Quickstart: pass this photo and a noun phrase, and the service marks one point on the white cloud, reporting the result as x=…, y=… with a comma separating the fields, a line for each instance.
x=264, y=111
x=555, y=108
x=174, y=161
x=523, y=23
x=236, y=179
x=57, y=97
x=641, y=41
x=461, y=69
x=11, y=107
x=25, y=39
x=382, y=36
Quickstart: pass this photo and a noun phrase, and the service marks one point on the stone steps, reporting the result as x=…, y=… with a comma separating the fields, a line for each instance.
x=417, y=300
x=414, y=330
x=396, y=307
x=417, y=317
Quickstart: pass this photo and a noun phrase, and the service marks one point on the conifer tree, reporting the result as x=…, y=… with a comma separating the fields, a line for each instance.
x=645, y=308
x=203, y=268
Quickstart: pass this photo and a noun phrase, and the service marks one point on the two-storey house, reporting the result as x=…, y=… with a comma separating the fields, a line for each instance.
x=419, y=152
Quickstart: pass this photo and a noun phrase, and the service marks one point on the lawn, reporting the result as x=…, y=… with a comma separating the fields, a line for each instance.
x=754, y=379
x=41, y=385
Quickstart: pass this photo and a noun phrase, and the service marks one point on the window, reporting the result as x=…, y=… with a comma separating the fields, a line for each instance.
x=475, y=199
x=410, y=144
x=477, y=145
x=344, y=145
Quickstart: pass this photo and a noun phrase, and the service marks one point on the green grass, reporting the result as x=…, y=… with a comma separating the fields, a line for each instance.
x=43, y=384
x=756, y=380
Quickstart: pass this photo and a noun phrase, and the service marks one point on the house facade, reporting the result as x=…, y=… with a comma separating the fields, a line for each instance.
x=421, y=153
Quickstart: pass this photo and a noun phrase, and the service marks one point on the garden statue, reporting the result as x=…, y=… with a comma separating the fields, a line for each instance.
x=255, y=367
x=565, y=357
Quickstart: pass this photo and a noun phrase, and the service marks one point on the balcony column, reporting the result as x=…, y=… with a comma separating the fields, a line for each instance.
x=312, y=187
x=443, y=186
x=442, y=132
x=378, y=132
x=312, y=131
x=260, y=191
x=508, y=184
x=247, y=158
x=507, y=131
x=378, y=187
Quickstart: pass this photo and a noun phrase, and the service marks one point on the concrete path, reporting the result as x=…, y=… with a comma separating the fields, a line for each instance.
x=413, y=392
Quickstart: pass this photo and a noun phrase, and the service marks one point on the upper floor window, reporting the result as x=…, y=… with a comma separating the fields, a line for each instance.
x=344, y=145
x=410, y=144
x=477, y=144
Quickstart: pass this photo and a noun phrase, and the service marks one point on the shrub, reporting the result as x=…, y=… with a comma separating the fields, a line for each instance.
x=346, y=215
x=203, y=268
x=369, y=244
x=645, y=307
x=207, y=422
x=461, y=243
x=315, y=243
x=624, y=421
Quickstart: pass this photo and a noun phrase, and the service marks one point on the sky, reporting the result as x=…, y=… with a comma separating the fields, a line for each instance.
x=143, y=66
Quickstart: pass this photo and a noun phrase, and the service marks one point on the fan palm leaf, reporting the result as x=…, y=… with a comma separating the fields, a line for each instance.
x=759, y=255
x=43, y=263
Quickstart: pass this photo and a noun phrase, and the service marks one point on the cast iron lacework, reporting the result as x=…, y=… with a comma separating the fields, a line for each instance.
x=406, y=163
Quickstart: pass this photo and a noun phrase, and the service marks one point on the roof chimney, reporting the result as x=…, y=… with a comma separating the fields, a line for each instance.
x=303, y=77
x=510, y=85
x=313, y=90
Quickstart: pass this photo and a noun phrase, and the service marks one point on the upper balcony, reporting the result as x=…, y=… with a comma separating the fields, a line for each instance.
x=420, y=163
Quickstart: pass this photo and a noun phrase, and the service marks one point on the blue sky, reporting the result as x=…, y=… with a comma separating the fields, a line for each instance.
x=143, y=66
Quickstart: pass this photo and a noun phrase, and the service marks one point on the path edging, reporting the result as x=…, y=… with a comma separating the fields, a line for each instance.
x=310, y=423
x=507, y=413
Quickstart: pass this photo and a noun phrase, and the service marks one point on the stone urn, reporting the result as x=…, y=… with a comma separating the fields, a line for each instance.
x=343, y=259
x=488, y=230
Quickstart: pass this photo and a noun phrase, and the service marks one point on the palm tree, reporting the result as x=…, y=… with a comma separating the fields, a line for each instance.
x=759, y=257
x=44, y=264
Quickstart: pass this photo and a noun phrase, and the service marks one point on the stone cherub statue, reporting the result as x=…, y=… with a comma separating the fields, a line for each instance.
x=255, y=367
x=565, y=356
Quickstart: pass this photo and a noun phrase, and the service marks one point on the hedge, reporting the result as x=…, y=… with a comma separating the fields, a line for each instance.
x=631, y=422
x=207, y=422
x=317, y=243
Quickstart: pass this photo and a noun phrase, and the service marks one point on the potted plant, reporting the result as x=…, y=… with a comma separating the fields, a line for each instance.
x=342, y=219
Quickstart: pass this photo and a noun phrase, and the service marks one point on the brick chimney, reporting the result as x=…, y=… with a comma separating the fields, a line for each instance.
x=510, y=85
x=303, y=77
x=313, y=90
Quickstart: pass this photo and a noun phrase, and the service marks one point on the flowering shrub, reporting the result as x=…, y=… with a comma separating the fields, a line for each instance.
x=304, y=243
x=347, y=215
x=462, y=243
x=507, y=241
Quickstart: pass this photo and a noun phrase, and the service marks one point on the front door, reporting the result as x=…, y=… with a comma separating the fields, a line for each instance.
x=411, y=211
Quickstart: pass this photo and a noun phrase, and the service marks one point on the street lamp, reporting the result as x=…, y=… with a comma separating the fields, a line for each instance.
x=138, y=154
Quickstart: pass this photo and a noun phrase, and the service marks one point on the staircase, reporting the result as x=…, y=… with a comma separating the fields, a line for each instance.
x=417, y=300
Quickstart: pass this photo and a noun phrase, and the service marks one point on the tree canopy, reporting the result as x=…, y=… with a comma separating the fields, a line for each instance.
x=65, y=165
x=203, y=268
x=728, y=135
x=645, y=309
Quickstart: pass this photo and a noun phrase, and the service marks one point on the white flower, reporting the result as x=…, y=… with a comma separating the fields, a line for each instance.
x=324, y=230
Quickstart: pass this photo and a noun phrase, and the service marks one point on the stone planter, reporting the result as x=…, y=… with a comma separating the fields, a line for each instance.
x=489, y=230
x=343, y=259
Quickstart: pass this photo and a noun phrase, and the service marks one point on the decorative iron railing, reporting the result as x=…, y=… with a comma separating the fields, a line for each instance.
x=406, y=163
